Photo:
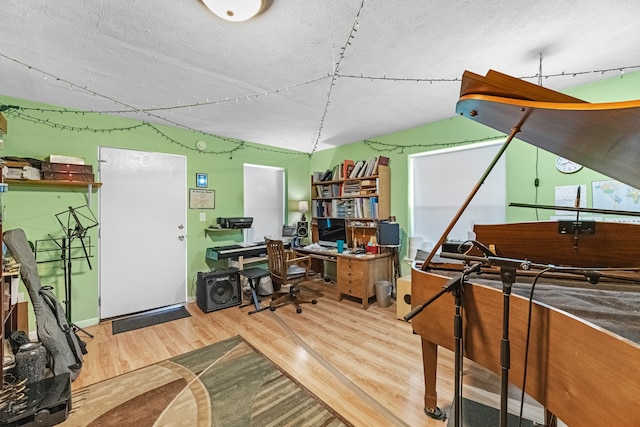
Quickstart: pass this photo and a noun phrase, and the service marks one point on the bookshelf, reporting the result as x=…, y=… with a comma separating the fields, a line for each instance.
x=362, y=201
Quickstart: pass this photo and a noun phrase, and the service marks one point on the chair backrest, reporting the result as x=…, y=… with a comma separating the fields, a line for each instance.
x=277, y=261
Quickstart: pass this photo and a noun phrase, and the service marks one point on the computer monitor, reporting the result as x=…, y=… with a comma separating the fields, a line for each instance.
x=330, y=230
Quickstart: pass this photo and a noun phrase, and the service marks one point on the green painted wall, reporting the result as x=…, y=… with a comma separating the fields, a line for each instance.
x=34, y=208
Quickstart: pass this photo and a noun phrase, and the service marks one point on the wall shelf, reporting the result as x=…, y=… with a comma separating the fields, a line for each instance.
x=222, y=230
x=90, y=186
x=51, y=183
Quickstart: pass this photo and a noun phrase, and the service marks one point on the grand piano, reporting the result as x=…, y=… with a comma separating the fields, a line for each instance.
x=580, y=372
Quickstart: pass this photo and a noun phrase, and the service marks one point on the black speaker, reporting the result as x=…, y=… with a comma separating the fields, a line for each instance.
x=388, y=233
x=218, y=289
x=302, y=229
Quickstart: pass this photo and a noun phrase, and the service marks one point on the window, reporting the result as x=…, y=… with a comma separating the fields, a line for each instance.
x=440, y=181
x=264, y=201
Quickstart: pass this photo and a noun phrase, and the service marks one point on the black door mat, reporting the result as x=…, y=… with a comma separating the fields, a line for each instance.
x=476, y=414
x=143, y=320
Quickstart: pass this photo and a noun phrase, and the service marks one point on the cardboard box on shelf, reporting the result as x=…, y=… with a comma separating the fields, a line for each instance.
x=30, y=173
x=25, y=172
x=12, y=173
x=59, y=158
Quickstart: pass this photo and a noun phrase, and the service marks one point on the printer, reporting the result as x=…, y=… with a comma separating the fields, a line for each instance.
x=238, y=222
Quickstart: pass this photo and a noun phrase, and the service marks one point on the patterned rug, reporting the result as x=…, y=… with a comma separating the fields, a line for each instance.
x=224, y=384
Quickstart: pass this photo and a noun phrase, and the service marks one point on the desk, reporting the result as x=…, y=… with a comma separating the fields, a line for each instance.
x=356, y=274
x=253, y=275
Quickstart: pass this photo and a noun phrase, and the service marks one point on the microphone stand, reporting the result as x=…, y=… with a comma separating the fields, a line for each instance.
x=455, y=286
x=508, y=267
x=508, y=277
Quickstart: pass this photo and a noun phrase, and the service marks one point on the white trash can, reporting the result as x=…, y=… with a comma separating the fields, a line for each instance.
x=383, y=293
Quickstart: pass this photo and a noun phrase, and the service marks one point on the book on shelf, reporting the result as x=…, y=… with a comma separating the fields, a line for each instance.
x=347, y=168
x=351, y=188
x=371, y=164
x=384, y=161
x=363, y=169
x=374, y=170
x=326, y=176
x=336, y=172
x=356, y=169
x=374, y=207
x=325, y=191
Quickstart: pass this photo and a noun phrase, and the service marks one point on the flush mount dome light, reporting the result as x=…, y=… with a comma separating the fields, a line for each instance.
x=236, y=10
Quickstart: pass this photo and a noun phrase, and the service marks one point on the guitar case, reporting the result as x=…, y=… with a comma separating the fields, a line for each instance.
x=63, y=346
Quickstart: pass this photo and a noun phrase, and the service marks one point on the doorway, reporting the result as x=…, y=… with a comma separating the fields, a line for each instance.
x=264, y=201
x=143, y=203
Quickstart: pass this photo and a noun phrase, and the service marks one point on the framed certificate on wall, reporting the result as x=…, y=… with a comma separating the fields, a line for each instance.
x=202, y=199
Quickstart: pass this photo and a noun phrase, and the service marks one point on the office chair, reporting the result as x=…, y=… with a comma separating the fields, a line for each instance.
x=287, y=268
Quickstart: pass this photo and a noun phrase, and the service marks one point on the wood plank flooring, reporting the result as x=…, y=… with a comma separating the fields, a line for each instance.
x=365, y=364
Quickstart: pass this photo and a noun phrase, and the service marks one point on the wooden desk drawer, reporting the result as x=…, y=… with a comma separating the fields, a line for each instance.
x=350, y=275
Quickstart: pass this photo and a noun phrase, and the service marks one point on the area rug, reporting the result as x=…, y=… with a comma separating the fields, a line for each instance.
x=476, y=414
x=224, y=384
x=147, y=319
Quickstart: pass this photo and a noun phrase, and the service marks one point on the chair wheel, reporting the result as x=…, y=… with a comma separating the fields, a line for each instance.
x=313, y=301
x=272, y=308
x=298, y=310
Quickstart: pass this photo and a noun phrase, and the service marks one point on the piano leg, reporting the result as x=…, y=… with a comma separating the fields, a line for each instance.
x=430, y=367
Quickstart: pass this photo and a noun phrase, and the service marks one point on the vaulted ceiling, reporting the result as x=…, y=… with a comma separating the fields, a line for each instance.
x=304, y=74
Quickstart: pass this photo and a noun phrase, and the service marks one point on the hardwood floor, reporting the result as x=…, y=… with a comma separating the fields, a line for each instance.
x=365, y=364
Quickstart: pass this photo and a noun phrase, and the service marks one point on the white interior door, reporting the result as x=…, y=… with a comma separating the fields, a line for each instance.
x=143, y=202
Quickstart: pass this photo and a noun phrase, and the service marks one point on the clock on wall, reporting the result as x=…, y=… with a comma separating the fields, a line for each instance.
x=567, y=166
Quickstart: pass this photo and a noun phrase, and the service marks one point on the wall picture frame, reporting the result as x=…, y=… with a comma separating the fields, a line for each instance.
x=202, y=180
x=202, y=199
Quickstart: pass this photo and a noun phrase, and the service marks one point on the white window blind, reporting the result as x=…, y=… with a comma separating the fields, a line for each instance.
x=440, y=182
x=264, y=201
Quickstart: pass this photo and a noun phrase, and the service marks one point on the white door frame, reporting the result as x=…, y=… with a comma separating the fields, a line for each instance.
x=143, y=203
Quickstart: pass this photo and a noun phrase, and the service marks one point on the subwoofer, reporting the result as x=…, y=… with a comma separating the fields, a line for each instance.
x=302, y=229
x=218, y=289
x=403, y=296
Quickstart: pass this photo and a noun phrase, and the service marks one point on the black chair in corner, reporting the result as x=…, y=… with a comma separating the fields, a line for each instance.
x=287, y=269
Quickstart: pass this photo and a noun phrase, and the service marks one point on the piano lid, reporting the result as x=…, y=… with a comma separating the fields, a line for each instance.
x=604, y=137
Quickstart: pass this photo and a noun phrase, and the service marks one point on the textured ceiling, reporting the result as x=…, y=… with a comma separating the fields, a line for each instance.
x=305, y=74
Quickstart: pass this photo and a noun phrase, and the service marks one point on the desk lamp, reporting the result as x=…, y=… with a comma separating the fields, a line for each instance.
x=303, y=207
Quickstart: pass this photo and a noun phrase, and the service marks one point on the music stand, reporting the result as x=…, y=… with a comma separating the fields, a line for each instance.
x=78, y=221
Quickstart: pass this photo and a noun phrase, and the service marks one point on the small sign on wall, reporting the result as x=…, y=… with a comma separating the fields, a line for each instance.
x=202, y=180
x=202, y=199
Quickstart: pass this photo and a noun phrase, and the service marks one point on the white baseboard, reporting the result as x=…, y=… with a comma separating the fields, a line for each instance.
x=33, y=335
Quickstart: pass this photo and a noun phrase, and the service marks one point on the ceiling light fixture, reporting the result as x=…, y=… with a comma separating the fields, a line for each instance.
x=236, y=10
